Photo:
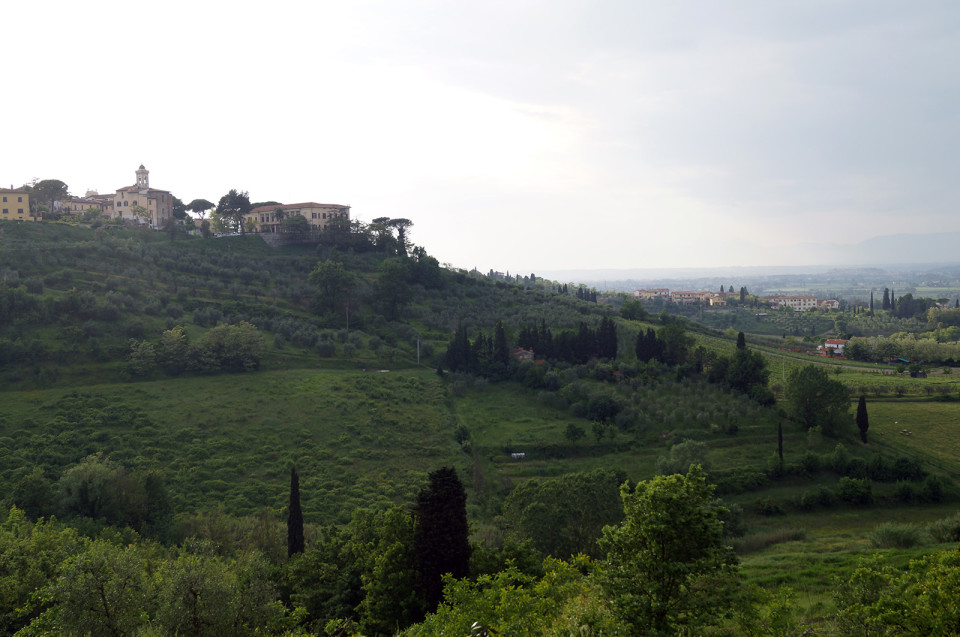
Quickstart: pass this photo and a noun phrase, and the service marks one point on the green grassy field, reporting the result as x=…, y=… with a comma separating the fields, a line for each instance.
x=926, y=429
x=356, y=437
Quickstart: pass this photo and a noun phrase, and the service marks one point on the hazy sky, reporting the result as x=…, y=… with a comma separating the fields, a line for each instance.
x=517, y=136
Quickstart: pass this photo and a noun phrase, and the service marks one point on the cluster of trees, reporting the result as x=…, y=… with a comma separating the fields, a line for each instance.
x=881, y=349
x=384, y=235
x=564, y=516
x=668, y=345
x=484, y=356
x=816, y=400
x=224, y=347
x=881, y=599
x=98, y=488
x=664, y=570
x=382, y=571
x=385, y=568
x=571, y=346
x=746, y=372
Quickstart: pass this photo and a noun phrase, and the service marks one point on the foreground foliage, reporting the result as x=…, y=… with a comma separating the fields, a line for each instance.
x=667, y=567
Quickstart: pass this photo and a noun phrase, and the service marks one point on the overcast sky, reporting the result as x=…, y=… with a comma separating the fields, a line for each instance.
x=520, y=136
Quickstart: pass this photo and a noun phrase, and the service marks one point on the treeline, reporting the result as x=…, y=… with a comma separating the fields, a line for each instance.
x=880, y=349
x=381, y=571
x=224, y=347
x=571, y=346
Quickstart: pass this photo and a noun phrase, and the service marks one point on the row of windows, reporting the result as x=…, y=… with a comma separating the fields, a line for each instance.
x=19, y=199
x=19, y=211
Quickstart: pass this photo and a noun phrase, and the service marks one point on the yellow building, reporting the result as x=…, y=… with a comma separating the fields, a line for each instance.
x=157, y=203
x=15, y=205
x=269, y=218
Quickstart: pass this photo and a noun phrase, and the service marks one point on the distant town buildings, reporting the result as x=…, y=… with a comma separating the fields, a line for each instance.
x=798, y=302
x=646, y=295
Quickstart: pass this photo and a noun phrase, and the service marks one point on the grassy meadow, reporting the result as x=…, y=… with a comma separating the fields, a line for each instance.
x=229, y=440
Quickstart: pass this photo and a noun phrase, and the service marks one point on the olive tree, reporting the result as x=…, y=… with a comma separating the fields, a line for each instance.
x=816, y=400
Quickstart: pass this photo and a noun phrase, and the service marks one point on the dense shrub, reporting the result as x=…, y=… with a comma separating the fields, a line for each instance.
x=768, y=507
x=945, y=529
x=854, y=491
x=326, y=348
x=759, y=541
x=893, y=535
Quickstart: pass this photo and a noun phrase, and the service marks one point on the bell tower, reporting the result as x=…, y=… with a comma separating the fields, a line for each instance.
x=143, y=178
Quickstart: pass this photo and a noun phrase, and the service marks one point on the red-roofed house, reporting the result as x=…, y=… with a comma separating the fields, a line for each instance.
x=835, y=345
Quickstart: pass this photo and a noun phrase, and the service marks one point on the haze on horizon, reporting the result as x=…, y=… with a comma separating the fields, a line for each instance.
x=519, y=136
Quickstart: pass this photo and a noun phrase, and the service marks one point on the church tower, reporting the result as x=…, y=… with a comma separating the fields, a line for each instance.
x=143, y=178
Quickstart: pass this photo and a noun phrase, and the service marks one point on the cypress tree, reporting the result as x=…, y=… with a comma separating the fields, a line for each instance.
x=440, y=537
x=871, y=301
x=780, y=441
x=295, y=517
x=741, y=341
x=863, y=422
x=607, y=339
x=641, y=347
x=501, y=353
x=885, y=304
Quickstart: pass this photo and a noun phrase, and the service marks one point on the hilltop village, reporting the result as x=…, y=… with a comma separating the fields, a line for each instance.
x=140, y=204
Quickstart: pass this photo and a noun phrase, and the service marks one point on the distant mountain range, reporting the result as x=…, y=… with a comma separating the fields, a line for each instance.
x=897, y=250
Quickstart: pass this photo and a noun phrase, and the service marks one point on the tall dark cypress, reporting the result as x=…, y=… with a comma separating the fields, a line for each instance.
x=295, y=517
x=607, y=338
x=741, y=341
x=863, y=422
x=780, y=441
x=440, y=537
x=501, y=353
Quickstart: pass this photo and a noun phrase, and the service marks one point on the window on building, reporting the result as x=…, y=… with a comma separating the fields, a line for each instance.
x=314, y=215
x=20, y=211
x=19, y=199
x=5, y=211
x=4, y=199
x=126, y=203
